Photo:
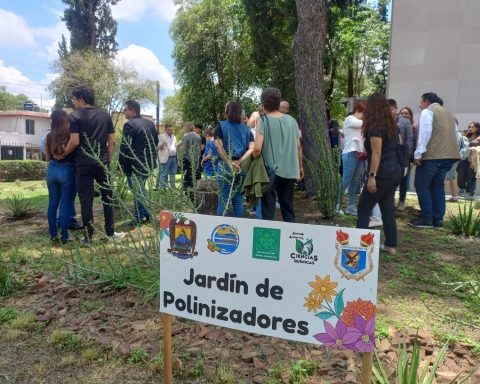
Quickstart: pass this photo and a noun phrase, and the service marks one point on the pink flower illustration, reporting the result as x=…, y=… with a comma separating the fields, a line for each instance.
x=364, y=334
x=338, y=337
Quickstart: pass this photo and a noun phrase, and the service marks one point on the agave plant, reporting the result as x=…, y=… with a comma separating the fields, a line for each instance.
x=466, y=222
x=16, y=206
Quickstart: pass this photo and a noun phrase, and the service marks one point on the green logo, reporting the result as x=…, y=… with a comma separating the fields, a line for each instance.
x=266, y=243
x=304, y=248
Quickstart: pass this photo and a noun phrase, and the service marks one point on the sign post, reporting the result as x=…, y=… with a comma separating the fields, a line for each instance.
x=167, y=348
x=308, y=283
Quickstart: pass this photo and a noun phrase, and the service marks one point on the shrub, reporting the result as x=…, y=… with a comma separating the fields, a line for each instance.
x=466, y=222
x=16, y=206
x=11, y=170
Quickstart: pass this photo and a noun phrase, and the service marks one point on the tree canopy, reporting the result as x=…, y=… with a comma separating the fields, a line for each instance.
x=213, y=57
x=91, y=26
x=9, y=101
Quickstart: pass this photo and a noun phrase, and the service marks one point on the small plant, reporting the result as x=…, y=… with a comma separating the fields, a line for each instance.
x=466, y=223
x=224, y=375
x=7, y=281
x=16, y=206
x=300, y=370
x=7, y=314
x=66, y=340
x=408, y=367
x=25, y=322
x=197, y=370
x=138, y=356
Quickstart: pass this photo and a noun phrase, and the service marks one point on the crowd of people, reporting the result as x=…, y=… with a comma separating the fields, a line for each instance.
x=261, y=157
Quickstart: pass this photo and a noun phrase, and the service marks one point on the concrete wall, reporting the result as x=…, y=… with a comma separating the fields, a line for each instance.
x=13, y=127
x=435, y=47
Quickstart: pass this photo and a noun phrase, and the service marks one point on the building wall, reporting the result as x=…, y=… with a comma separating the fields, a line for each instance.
x=435, y=47
x=13, y=127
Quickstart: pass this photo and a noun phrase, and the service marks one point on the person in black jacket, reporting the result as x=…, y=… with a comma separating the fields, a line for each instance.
x=138, y=156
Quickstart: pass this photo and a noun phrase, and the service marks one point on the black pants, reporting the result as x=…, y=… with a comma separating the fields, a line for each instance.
x=85, y=177
x=283, y=188
x=466, y=177
x=187, y=174
x=385, y=197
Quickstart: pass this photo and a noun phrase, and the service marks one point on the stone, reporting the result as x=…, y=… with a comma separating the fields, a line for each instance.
x=47, y=316
x=259, y=379
x=350, y=378
x=257, y=363
x=445, y=376
x=95, y=315
x=248, y=355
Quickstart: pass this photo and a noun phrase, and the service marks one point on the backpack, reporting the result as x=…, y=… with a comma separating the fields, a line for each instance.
x=463, y=146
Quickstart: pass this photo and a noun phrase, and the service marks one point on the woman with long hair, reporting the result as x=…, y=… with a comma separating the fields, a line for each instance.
x=467, y=181
x=60, y=176
x=384, y=172
x=234, y=144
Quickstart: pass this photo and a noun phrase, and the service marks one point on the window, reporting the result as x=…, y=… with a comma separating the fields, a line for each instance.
x=30, y=127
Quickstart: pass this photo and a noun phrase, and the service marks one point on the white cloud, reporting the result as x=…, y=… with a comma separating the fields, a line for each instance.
x=14, y=31
x=134, y=10
x=16, y=83
x=146, y=64
x=53, y=35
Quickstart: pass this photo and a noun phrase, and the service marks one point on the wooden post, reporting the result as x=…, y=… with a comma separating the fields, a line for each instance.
x=367, y=364
x=167, y=348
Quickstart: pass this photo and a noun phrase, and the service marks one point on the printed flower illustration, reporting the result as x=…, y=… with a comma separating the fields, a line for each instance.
x=323, y=288
x=367, y=239
x=364, y=334
x=342, y=237
x=363, y=308
x=165, y=217
x=312, y=303
x=338, y=337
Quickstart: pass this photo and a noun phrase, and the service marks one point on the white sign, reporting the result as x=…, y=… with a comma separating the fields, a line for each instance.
x=309, y=283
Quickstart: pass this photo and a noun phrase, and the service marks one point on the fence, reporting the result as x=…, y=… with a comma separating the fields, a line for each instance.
x=19, y=151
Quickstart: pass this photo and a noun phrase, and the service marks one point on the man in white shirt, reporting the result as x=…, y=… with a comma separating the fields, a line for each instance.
x=167, y=157
x=434, y=156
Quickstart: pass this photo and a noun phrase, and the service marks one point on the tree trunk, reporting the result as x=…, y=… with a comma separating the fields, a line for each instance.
x=308, y=52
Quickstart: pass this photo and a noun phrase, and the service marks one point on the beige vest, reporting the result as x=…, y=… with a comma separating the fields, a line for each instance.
x=443, y=143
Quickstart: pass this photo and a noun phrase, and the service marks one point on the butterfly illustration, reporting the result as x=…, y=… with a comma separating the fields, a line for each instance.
x=212, y=247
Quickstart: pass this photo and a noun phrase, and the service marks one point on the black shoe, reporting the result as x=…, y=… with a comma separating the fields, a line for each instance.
x=75, y=226
x=66, y=241
x=54, y=239
x=421, y=223
x=438, y=224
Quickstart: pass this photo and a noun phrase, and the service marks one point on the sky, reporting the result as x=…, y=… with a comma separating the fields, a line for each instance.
x=31, y=29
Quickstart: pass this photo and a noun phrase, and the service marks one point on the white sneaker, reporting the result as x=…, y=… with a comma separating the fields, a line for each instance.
x=375, y=222
x=338, y=210
x=116, y=236
x=351, y=210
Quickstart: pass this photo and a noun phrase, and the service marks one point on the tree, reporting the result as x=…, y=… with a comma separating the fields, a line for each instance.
x=9, y=101
x=172, y=110
x=91, y=26
x=111, y=83
x=213, y=57
x=272, y=25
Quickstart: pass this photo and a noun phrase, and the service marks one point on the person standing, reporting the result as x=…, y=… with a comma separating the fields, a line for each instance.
x=467, y=181
x=277, y=139
x=234, y=144
x=435, y=154
x=60, y=176
x=167, y=157
x=138, y=157
x=210, y=155
x=92, y=138
x=384, y=172
x=352, y=158
x=199, y=131
x=191, y=144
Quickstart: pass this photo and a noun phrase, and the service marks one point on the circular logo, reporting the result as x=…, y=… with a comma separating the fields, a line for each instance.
x=225, y=238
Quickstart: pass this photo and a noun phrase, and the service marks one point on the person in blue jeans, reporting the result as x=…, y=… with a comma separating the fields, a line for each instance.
x=234, y=143
x=434, y=155
x=60, y=176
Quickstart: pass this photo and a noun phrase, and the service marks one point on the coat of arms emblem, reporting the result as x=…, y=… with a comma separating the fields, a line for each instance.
x=183, y=238
x=354, y=262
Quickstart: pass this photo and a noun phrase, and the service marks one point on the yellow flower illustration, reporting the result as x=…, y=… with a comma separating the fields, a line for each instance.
x=312, y=303
x=323, y=288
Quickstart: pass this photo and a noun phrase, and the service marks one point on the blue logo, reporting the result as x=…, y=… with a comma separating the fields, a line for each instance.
x=224, y=239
